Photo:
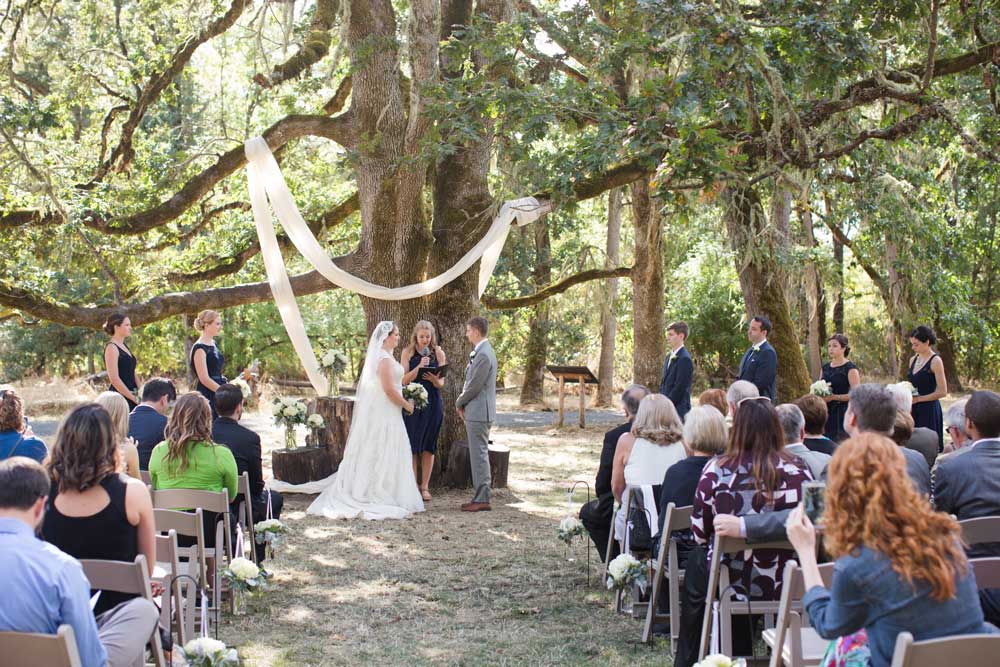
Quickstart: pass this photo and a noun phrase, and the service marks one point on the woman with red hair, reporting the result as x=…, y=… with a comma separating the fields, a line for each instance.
x=900, y=565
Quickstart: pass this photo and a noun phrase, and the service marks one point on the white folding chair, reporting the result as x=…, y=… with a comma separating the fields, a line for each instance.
x=123, y=577
x=146, y=478
x=957, y=650
x=244, y=514
x=165, y=573
x=667, y=568
x=30, y=649
x=792, y=642
x=187, y=524
x=980, y=530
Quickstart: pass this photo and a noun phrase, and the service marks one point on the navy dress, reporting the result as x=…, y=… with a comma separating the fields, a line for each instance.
x=126, y=372
x=423, y=426
x=837, y=377
x=927, y=414
x=213, y=363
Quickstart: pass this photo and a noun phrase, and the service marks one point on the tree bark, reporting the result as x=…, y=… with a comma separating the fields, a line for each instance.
x=609, y=323
x=647, y=288
x=533, y=386
x=814, y=296
x=753, y=242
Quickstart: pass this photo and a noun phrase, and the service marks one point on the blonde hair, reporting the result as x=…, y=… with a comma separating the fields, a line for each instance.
x=117, y=407
x=705, y=430
x=189, y=424
x=205, y=318
x=657, y=420
x=423, y=325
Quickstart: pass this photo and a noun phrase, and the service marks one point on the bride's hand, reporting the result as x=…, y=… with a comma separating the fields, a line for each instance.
x=409, y=407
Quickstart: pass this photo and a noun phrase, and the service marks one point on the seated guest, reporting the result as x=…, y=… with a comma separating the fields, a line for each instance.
x=149, y=418
x=793, y=426
x=16, y=438
x=117, y=407
x=754, y=475
x=968, y=485
x=188, y=459
x=738, y=392
x=896, y=569
x=643, y=455
x=924, y=440
x=596, y=515
x=704, y=437
x=716, y=398
x=43, y=588
x=954, y=424
x=814, y=411
x=93, y=511
x=245, y=446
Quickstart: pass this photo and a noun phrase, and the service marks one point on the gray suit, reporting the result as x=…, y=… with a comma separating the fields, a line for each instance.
x=479, y=400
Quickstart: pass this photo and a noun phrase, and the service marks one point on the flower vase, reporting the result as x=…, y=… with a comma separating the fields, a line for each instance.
x=334, y=386
x=315, y=438
x=289, y=437
x=239, y=601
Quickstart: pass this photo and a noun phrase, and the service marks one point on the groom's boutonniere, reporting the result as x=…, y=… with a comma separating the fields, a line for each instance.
x=756, y=348
x=472, y=355
x=673, y=356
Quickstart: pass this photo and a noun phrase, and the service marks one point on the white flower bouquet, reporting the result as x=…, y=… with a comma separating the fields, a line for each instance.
x=417, y=393
x=288, y=411
x=243, y=575
x=908, y=386
x=334, y=364
x=569, y=528
x=244, y=387
x=270, y=532
x=719, y=660
x=624, y=571
x=821, y=388
x=208, y=652
x=315, y=420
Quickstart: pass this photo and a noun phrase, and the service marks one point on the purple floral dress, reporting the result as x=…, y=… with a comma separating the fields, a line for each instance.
x=730, y=489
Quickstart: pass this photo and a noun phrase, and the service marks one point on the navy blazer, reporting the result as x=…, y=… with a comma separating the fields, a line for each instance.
x=676, y=382
x=760, y=368
x=968, y=486
x=146, y=426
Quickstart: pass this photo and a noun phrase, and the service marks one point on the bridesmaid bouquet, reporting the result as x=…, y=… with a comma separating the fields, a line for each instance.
x=820, y=388
x=909, y=387
x=415, y=392
x=624, y=571
x=208, y=652
x=569, y=528
x=244, y=387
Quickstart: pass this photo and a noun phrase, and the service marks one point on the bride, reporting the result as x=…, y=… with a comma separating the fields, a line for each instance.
x=375, y=479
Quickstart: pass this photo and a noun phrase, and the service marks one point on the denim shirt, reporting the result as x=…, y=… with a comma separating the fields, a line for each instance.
x=867, y=593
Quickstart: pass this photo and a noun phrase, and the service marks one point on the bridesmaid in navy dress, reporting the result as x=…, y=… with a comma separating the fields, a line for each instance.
x=927, y=375
x=206, y=358
x=423, y=426
x=119, y=360
x=842, y=374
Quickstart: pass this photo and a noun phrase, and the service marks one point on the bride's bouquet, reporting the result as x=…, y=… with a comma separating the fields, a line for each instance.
x=821, y=388
x=417, y=393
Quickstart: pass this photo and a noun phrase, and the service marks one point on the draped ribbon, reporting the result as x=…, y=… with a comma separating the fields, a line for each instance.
x=265, y=182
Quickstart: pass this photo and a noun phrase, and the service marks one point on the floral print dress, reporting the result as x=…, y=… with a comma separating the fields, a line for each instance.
x=729, y=488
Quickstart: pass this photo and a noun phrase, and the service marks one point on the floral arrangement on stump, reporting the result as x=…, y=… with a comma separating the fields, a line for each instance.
x=288, y=412
x=208, y=652
x=821, y=388
x=334, y=364
x=417, y=393
x=316, y=423
x=270, y=532
x=244, y=578
x=624, y=571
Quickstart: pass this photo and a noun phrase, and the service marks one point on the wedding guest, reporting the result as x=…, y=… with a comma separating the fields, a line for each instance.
x=814, y=410
x=704, y=436
x=760, y=363
x=921, y=439
x=245, y=447
x=927, y=375
x=119, y=360
x=716, y=398
x=738, y=392
x=43, y=588
x=841, y=374
x=954, y=423
x=596, y=515
x=754, y=476
x=93, y=511
x=117, y=408
x=149, y=419
x=188, y=459
x=896, y=568
x=678, y=369
x=793, y=428
x=16, y=437
x=424, y=426
x=206, y=358
x=903, y=435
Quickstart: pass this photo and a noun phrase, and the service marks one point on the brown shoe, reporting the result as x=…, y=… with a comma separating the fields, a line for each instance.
x=476, y=507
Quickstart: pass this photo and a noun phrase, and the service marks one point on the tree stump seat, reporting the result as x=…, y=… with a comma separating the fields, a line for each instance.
x=300, y=465
x=459, y=473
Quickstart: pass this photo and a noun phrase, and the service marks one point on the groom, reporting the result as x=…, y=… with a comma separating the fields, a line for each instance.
x=478, y=406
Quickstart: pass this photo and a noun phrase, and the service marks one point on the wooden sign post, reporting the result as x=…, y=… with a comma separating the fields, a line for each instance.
x=579, y=374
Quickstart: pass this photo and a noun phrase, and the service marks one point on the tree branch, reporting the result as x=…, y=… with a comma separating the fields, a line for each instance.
x=339, y=99
x=494, y=303
x=314, y=47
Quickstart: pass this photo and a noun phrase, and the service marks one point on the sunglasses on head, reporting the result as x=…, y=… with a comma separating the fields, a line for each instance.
x=752, y=398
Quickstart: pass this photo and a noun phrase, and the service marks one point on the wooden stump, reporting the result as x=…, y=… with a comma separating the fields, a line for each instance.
x=337, y=411
x=459, y=473
x=304, y=464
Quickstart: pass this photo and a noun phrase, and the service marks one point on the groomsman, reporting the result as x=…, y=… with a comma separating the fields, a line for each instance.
x=760, y=363
x=678, y=369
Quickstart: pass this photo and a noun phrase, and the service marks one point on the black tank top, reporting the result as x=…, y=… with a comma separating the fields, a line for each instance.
x=107, y=535
x=126, y=368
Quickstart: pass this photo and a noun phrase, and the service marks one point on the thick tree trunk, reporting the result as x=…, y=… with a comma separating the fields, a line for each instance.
x=946, y=350
x=838, y=277
x=533, y=387
x=647, y=288
x=762, y=285
x=814, y=298
x=609, y=323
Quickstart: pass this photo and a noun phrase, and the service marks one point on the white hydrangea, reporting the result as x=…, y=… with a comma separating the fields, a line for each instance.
x=820, y=388
x=290, y=411
x=244, y=387
x=268, y=525
x=570, y=524
x=244, y=569
x=620, y=565
x=316, y=421
x=908, y=386
x=204, y=646
x=330, y=358
x=719, y=660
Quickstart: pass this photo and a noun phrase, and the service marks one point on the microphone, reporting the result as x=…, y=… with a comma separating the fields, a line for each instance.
x=426, y=351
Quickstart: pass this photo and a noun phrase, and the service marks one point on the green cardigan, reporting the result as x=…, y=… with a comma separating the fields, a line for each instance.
x=210, y=468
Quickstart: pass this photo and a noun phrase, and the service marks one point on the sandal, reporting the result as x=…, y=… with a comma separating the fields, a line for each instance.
x=425, y=494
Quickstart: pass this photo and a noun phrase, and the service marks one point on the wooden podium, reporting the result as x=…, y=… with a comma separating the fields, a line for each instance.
x=566, y=374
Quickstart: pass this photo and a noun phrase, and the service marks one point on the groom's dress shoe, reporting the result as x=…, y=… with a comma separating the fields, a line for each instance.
x=476, y=507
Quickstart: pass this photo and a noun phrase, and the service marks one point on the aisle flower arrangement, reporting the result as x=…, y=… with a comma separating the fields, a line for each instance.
x=569, y=528
x=244, y=578
x=270, y=532
x=624, y=571
x=208, y=652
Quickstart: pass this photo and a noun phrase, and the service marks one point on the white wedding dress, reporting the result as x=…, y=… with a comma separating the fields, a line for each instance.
x=375, y=480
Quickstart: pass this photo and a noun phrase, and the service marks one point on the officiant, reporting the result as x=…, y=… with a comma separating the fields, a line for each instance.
x=426, y=363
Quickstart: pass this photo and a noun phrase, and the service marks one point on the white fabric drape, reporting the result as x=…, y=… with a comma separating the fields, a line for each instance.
x=265, y=182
